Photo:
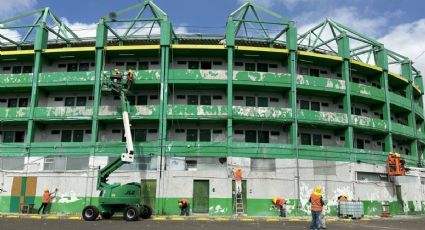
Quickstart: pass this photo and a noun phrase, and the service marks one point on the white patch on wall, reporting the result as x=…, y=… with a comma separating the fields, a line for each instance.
x=65, y=198
x=217, y=209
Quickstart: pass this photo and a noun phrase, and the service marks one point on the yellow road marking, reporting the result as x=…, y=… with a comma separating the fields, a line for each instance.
x=272, y=219
x=177, y=218
x=331, y=220
x=221, y=219
x=74, y=218
x=203, y=218
x=247, y=219
x=159, y=218
x=35, y=217
x=12, y=216
x=52, y=217
x=346, y=220
x=365, y=219
x=293, y=219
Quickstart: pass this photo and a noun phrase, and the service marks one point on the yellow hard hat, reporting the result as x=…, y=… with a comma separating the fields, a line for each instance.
x=397, y=155
x=46, y=190
x=318, y=190
x=274, y=199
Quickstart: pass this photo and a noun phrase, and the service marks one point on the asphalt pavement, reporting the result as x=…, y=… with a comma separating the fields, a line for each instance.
x=413, y=223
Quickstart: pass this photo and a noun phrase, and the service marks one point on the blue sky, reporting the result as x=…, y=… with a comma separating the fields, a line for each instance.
x=400, y=25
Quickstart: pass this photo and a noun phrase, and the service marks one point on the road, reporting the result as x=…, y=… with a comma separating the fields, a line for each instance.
x=375, y=224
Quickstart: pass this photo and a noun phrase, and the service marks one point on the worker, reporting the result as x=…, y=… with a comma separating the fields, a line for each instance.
x=238, y=180
x=184, y=207
x=47, y=197
x=316, y=201
x=341, y=198
x=279, y=203
x=130, y=78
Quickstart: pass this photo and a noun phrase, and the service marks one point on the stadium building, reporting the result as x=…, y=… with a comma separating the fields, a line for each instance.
x=293, y=110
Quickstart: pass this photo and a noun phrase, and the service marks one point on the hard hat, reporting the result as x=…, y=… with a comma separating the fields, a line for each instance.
x=46, y=190
x=238, y=169
x=274, y=199
x=318, y=190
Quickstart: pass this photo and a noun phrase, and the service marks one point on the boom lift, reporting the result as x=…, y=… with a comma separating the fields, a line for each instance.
x=395, y=165
x=116, y=197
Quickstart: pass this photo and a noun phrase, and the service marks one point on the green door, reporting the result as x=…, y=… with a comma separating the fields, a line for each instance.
x=243, y=195
x=201, y=196
x=148, y=192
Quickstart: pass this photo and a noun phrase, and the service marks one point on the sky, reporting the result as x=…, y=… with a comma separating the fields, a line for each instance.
x=400, y=25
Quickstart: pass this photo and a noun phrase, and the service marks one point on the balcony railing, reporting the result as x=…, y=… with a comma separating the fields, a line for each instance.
x=21, y=113
x=15, y=80
x=262, y=113
x=66, y=78
x=402, y=129
x=136, y=112
x=369, y=123
x=197, y=76
x=64, y=112
x=361, y=90
x=329, y=118
x=321, y=84
x=197, y=111
x=261, y=78
x=400, y=101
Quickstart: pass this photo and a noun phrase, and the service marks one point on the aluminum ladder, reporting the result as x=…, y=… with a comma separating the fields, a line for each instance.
x=239, y=208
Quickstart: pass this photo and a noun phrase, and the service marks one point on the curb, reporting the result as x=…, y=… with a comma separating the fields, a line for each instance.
x=179, y=218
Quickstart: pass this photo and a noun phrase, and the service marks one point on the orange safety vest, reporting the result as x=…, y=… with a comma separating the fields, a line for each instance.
x=183, y=202
x=46, y=197
x=280, y=202
x=238, y=175
x=316, y=203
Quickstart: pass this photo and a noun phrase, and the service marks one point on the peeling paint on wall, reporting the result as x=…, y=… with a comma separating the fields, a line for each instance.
x=64, y=111
x=66, y=198
x=11, y=80
x=262, y=112
x=14, y=112
x=323, y=116
x=217, y=210
x=321, y=82
x=369, y=122
x=67, y=77
x=195, y=110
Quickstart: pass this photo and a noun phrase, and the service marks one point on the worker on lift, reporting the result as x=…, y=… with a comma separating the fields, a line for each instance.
x=184, y=207
x=279, y=203
x=116, y=76
x=238, y=180
x=130, y=78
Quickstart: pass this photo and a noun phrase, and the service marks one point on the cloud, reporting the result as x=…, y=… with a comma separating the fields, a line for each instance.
x=11, y=34
x=81, y=29
x=408, y=40
x=13, y=7
x=289, y=4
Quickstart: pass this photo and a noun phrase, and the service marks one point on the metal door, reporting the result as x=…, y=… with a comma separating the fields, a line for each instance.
x=201, y=196
x=148, y=192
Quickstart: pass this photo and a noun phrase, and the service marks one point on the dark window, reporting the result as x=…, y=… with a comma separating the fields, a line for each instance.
x=250, y=101
x=116, y=98
x=314, y=72
x=55, y=132
x=88, y=131
x=325, y=104
x=131, y=65
x=58, y=98
x=23, y=102
x=340, y=106
x=274, y=133
x=120, y=63
x=192, y=135
x=205, y=65
x=274, y=99
x=317, y=139
x=263, y=136
x=326, y=137
x=249, y=66
x=217, y=63
x=143, y=65
x=217, y=97
x=238, y=98
x=2, y=100
x=305, y=104
x=92, y=64
x=360, y=143
x=339, y=75
x=72, y=67
x=154, y=62
x=181, y=62
x=153, y=97
x=27, y=69
x=193, y=65
x=238, y=63
x=364, y=110
x=217, y=131
x=12, y=102
x=78, y=136
x=262, y=67
x=323, y=72
x=356, y=80
x=179, y=130
x=205, y=100
x=272, y=65
x=192, y=100
x=152, y=131
x=6, y=68
x=116, y=131
x=17, y=69
x=238, y=131
x=66, y=136
x=70, y=101
x=315, y=106
x=181, y=96
x=305, y=139
x=84, y=67
x=357, y=111
x=19, y=136
x=251, y=136
x=367, y=141
x=131, y=100
x=342, y=138
x=140, y=135
x=81, y=101
x=142, y=100
x=205, y=135
x=8, y=136
x=263, y=102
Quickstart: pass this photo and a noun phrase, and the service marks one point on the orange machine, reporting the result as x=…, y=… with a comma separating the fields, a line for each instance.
x=395, y=165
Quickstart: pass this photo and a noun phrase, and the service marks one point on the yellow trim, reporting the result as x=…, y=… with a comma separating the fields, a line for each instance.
x=177, y=218
x=35, y=217
x=261, y=49
x=272, y=220
x=74, y=218
x=247, y=219
x=16, y=52
x=52, y=218
x=417, y=88
x=366, y=65
x=159, y=218
x=221, y=219
x=135, y=47
x=206, y=47
x=202, y=219
x=311, y=54
x=12, y=216
x=398, y=76
x=70, y=49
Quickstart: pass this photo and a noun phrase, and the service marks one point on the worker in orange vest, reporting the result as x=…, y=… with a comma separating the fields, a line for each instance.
x=130, y=78
x=317, y=203
x=238, y=180
x=279, y=203
x=47, y=197
x=184, y=207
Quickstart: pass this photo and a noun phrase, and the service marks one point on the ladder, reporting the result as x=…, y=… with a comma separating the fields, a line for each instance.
x=239, y=209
